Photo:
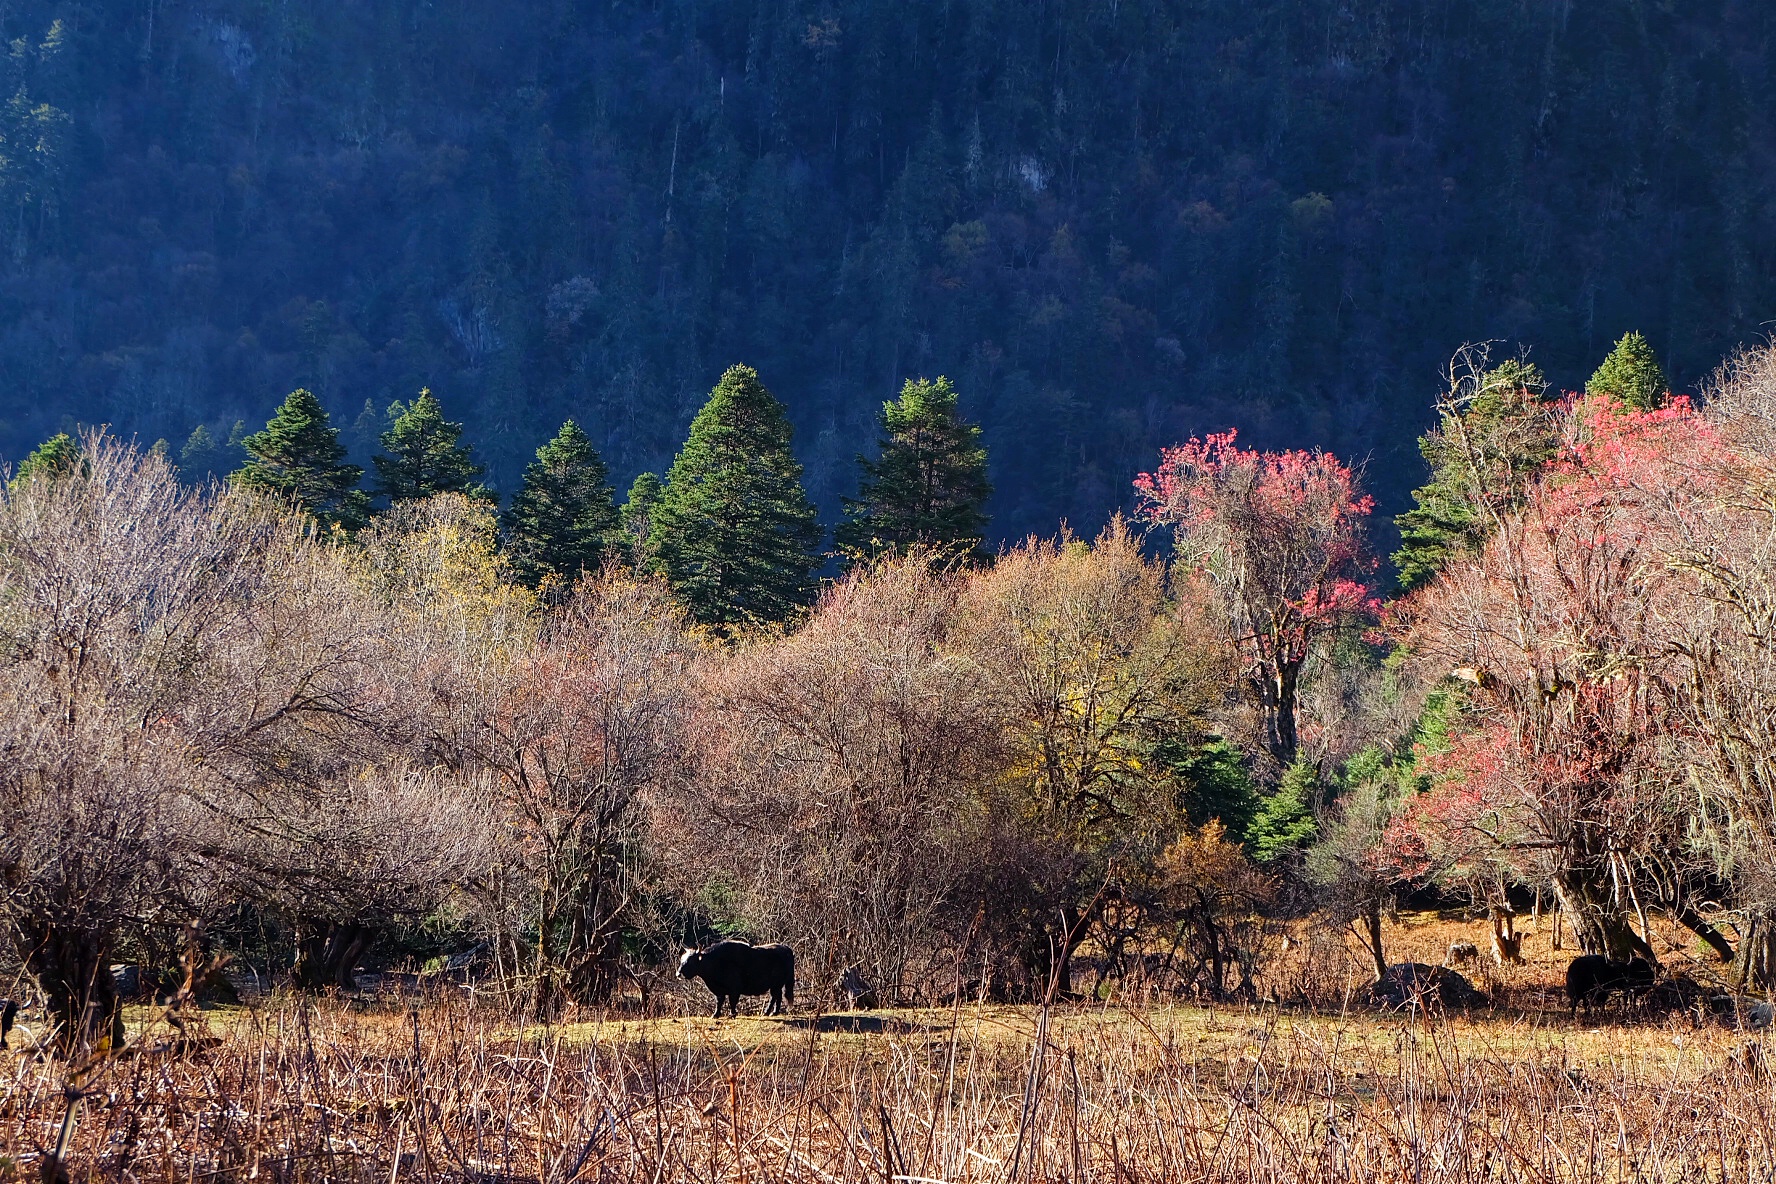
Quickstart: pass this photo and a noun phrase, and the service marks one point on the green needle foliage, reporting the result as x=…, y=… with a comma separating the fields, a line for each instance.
x=563, y=517
x=637, y=517
x=298, y=456
x=1284, y=821
x=55, y=457
x=928, y=485
x=733, y=531
x=1508, y=430
x=423, y=454
x=1631, y=373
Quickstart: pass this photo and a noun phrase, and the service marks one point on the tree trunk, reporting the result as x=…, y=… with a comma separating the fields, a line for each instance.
x=1600, y=921
x=327, y=955
x=1690, y=919
x=1372, y=924
x=73, y=969
x=1754, y=967
x=1285, y=693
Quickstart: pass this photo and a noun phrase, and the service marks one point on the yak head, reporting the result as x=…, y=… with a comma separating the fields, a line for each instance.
x=689, y=963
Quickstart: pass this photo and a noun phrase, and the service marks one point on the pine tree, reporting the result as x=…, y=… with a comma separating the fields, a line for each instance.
x=298, y=456
x=928, y=484
x=562, y=518
x=56, y=457
x=733, y=531
x=205, y=456
x=1631, y=373
x=1507, y=427
x=423, y=454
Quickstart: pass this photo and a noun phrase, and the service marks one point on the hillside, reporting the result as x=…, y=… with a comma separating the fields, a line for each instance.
x=1113, y=223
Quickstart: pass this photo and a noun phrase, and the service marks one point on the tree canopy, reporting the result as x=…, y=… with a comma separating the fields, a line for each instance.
x=298, y=456
x=927, y=485
x=732, y=530
x=562, y=518
x=423, y=454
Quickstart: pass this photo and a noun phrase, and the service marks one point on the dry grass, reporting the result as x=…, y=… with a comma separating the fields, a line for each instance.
x=1106, y=1093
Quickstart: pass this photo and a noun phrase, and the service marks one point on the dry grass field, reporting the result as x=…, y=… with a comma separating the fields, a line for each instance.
x=1113, y=1091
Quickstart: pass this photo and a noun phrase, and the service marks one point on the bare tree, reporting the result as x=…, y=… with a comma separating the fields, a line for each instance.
x=565, y=738
x=201, y=706
x=836, y=771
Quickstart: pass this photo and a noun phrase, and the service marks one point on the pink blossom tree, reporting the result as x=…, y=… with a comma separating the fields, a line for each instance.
x=1280, y=536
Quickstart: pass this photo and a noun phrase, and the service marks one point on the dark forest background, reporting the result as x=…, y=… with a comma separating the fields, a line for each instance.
x=1113, y=223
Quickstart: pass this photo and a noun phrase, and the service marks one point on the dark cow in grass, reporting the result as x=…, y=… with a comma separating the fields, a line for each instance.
x=731, y=969
x=1591, y=979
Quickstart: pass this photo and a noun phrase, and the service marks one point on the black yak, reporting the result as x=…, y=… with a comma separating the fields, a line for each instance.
x=731, y=969
x=8, y=1012
x=1591, y=979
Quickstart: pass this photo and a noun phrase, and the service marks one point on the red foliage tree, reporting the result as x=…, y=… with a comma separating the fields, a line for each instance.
x=1280, y=535
x=1561, y=624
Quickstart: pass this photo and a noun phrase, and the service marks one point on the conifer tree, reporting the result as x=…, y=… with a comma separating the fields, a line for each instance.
x=1631, y=373
x=733, y=531
x=55, y=457
x=200, y=451
x=423, y=454
x=1507, y=431
x=928, y=485
x=298, y=456
x=1284, y=822
x=637, y=516
x=562, y=518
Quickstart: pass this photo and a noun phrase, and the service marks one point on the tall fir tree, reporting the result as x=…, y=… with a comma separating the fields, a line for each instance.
x=733, y=531
x=298, y=456
x=563, y=517
x=637, y=517
x=928, y=484
x=54, y=458
x=1631, y=373
x=423, y=454
x=1508, y=429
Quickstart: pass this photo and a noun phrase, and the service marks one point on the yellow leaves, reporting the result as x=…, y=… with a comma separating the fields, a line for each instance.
x=1201, y=864
x=1094, y=658
x=438, y=561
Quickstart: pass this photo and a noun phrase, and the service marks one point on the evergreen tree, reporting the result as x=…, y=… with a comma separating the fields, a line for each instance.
x=200, y=451
x=1631, y=373
x=423, y=454
x=928, y=485
x=1284, y=822
x=1214, y=783
x=562, y=518
x=733, y=531
x=1507, y=428
x=204, y=455
x=298, y=456
x=637, y=515
x=55, y=457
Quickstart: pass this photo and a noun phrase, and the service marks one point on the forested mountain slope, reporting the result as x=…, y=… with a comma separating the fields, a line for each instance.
x=1112, y=223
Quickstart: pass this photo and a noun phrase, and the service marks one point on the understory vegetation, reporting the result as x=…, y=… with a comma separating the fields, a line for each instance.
x=264, y=737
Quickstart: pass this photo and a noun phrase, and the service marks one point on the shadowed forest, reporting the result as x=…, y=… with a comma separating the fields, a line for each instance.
x=1113, y=224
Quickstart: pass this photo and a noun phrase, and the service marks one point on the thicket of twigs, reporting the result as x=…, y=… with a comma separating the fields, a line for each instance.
x=308, y=1091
